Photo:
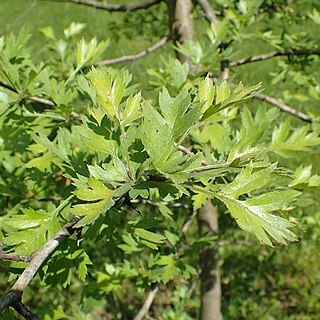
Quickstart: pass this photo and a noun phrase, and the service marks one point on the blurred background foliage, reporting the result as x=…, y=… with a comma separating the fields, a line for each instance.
x=258, y=282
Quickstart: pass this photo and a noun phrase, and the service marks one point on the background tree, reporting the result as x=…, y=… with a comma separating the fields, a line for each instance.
x=216, y=55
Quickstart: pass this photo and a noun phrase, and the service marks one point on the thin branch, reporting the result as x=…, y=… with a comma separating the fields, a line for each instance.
x=283, y=107
x=147, y=304
x=34, y=99
x=42, y=101
x=37, y=259
x=165, y=203
x=23, y=310
x=184, y=149
x=14, y=257
x=187, y=223
x=273, y=54
x=137, y=56
x=210, y=14
x=114, y=7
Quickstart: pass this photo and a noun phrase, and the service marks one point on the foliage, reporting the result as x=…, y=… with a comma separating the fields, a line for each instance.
x=99, y=150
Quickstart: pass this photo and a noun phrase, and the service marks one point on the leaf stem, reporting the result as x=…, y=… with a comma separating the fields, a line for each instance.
x=126, y=153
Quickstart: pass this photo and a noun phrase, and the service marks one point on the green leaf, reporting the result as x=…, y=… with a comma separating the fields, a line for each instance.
x=109, y=89
x=74, y=29
x=156, y=135
x=200, y=199
x=286, y=144
x=42, y=163
x=247, y=181
x=132, y=109
x=95, y=190
x=91, y=211
x=34, y=228
x=96, y=142
x=149, y=236
x=114, y=172
x=302, y=175
x=225, y=99
x=253, y=216
x=86, y=51
x=206, y=93
x=169, y=267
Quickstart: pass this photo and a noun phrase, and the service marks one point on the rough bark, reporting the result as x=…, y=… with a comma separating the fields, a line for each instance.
x=209, y=264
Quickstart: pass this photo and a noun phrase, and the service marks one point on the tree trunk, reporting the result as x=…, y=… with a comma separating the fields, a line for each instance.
x=182, y=30
x=180, y=22
x=209, y=264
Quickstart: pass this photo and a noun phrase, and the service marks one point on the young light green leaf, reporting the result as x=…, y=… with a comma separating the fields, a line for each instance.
x=302, y=175
x=206, y=93
x=132, y=109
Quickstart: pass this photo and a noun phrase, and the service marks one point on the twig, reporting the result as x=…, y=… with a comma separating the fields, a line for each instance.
x=187, y=224
x=270, y=55
x=283, y=107
x=147, y=304
x=137, y=56
x=114, y=7
x=174, y=204
x=210, y=14
x=23, y=310
x=42, y=101
x=183, y=149
x=34, y=99
x=14, y=257
x=14, y=295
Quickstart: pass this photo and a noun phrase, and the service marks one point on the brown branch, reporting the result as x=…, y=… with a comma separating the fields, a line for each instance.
x=210, y=14
x=114, y=7
x=147, y=304
x=14, y=295
x=137, y=56
x=273, y=54
x=14, y=257
x=283, y=107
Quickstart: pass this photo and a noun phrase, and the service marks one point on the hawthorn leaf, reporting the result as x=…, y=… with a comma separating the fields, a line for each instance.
x=132, y=109
x=149, y=236
x=247, y=181
x=287, y=143
x=97, y=142
x=156, y=135
x=253, y=216
x=95, y=190
x=91, y=211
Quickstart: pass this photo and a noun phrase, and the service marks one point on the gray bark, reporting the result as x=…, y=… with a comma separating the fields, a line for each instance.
x=180, y=22
x=209, y=264
x=182, y=30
